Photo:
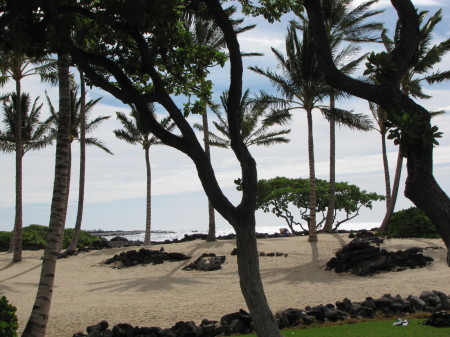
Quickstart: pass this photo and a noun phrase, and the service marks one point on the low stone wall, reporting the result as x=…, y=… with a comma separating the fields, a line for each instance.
x=240, y=322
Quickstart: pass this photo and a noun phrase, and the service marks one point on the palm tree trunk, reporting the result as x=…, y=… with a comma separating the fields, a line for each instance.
x=69, y=173
x=37, y=323
x=148, y=218
x=250, y=279
x=17, y=237
x=387, y=179
x=312, y=181
x=328, y=227
x=391, y=207
x=76, y=232
x=211, y=218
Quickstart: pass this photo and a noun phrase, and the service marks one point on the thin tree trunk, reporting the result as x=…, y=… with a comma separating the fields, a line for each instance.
x=211, y=218
x=387, y=179
x=37, y=323
x=69, y=173
x=17, y=257
x=148, y=218
x=391, y=207
x=76, y=232
x=328, y=227
x=312, y=182
x=250, y=279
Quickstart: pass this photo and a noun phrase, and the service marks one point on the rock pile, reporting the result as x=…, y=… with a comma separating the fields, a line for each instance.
x=241, y=322
x=363, y=257
x=234, y=252
x=439, y=319
x=206, y=262
x=143, y=257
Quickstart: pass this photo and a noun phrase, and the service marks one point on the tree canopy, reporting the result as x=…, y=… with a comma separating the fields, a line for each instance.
x=288, y=198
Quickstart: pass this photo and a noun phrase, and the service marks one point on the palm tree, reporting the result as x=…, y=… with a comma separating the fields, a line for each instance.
x=207, y=33
x=16, y=66
x=78, y=106
x=301, y=86
x=136, y=131
x=82, y=177
x=38, y=319
x=345, y=24
x=35, y=133
x=255, y=124
x=424, y=60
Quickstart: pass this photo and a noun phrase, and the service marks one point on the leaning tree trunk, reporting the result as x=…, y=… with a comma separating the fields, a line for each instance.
x=148, y=218
x=387, y=179
x=423, y=190
x=250, y=279
x=328, y=227
x=312, y=227
x=17, y=236
x=391, y=206
x=37, y=323
x=421, y=187
x=211, y=218
x=76, y=232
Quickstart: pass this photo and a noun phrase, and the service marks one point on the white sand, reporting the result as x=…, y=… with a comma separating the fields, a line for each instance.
x=87, y=291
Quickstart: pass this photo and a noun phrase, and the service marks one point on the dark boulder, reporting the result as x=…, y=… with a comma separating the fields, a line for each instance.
x=440, y=319
x=363, y=257
x=206, y=262
x=143, y=257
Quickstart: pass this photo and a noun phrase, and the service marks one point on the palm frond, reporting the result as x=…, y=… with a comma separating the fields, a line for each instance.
x=348, y=118
x=97, y=143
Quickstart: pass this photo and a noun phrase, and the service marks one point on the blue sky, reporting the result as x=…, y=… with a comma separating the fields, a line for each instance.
x=115, y=185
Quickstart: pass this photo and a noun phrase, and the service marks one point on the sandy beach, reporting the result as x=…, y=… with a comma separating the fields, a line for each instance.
x=88, y=291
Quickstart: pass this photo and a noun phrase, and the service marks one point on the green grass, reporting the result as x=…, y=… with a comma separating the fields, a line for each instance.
x=384, y=328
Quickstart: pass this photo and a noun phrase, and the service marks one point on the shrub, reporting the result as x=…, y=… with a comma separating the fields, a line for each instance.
x=5, y=239
x=35, y=237
x=411, y=223
x=84, y=240
x=8, y=319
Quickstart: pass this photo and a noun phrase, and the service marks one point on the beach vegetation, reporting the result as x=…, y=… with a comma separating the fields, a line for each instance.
x=206, y=32
x=416, y=132
x=137, y=131
x=411, y=223
x=142, y=54
x=16, y=65
x=301, y=85
x=35, y=237
x=346, y=23
x=256, y=123
x=8, y=319
x=422, y=69
x=79, y=112
x=288, y=198
x=372, y=328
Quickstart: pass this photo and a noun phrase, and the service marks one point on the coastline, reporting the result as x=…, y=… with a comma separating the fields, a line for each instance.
x=88, y=291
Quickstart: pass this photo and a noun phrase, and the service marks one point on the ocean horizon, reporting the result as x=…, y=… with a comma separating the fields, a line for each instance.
x=163, y=235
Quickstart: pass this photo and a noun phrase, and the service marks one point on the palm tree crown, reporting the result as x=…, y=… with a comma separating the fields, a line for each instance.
x=255, y=124
x=135, y=131
x=35, y=134
x=75, y=106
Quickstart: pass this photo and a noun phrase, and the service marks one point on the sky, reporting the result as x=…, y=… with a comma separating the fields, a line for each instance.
x=116, y=184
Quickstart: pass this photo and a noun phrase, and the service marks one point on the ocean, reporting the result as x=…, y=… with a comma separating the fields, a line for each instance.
x=162, y=235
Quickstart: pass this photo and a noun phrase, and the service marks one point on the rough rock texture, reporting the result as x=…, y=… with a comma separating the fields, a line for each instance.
x=240, y=322
x=439, y=319
x=143, y=257
x=206, y=262
x=363, y=257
